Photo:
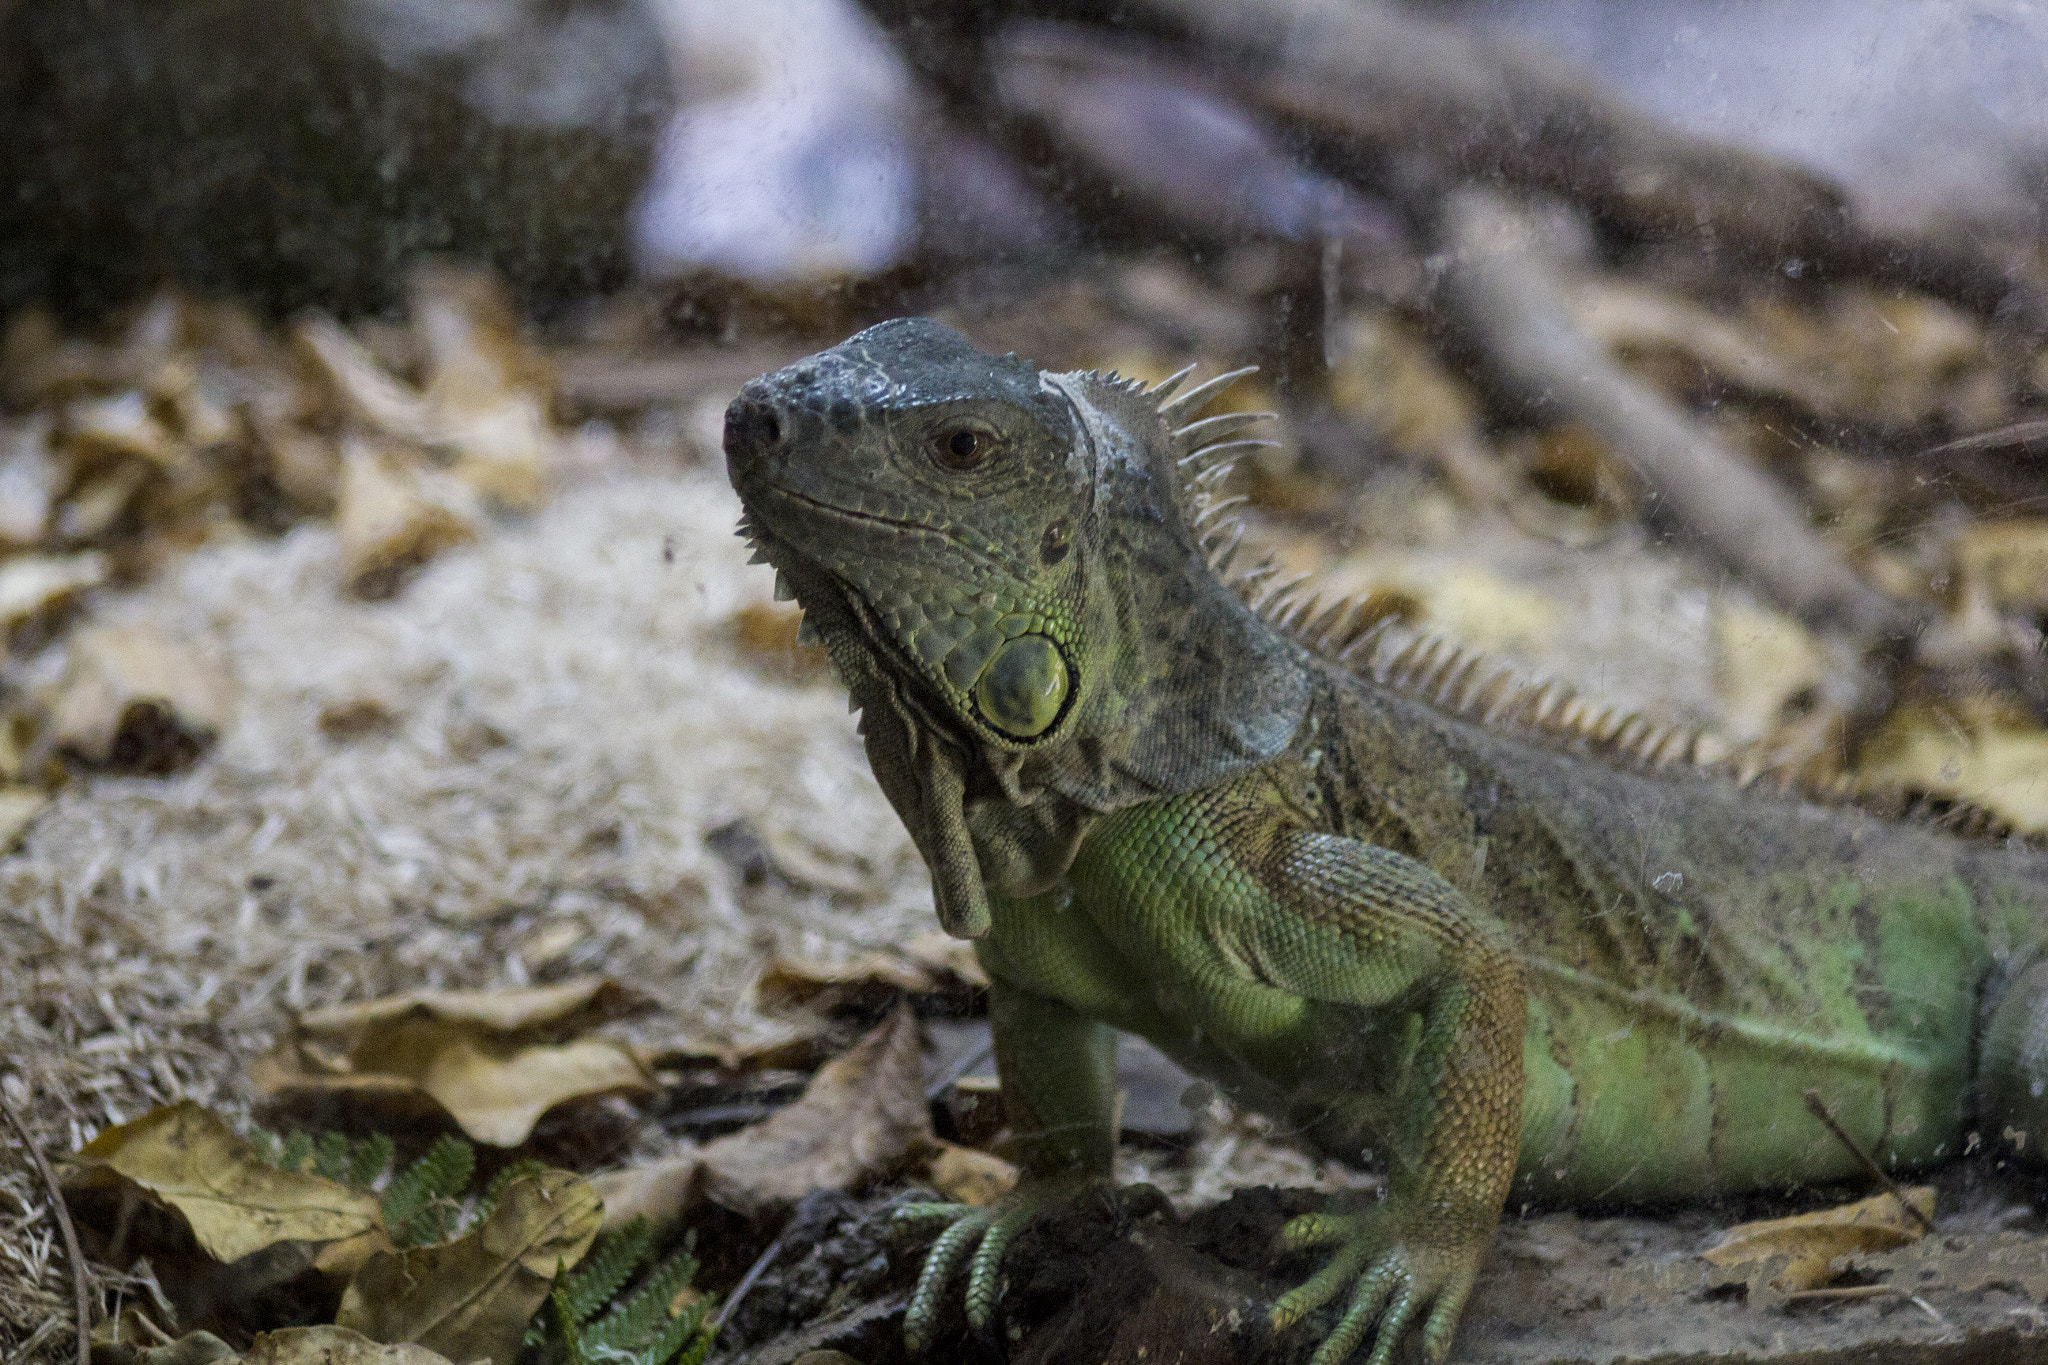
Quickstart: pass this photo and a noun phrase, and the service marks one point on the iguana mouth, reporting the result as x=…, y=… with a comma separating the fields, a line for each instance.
x=849, y=514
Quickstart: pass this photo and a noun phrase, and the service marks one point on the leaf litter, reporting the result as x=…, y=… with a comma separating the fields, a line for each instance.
x=484, y=828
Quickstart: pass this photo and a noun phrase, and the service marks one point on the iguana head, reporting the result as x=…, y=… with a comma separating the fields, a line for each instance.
x=939, y=490
x=1005, y=563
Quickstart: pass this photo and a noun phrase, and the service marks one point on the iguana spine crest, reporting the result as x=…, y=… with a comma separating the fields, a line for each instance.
x=1361, y=634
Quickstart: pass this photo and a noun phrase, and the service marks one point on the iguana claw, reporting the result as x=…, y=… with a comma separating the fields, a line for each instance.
x=978, y=1236
x=1393, y=1279
x=981, y=1237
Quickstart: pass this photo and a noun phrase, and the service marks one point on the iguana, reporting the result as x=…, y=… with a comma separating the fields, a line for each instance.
x=1495, y=963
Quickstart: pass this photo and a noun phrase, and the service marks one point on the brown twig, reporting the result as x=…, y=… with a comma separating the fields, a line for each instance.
x=1819, y=1109
x=1504, y=291
x=62, y=1213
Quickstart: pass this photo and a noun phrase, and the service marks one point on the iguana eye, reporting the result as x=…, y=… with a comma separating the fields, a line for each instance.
x=963, y=447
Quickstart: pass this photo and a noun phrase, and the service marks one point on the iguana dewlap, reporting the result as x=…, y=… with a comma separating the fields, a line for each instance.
x=1492, y=966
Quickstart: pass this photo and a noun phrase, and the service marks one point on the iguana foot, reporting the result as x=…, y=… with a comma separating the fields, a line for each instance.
x=979, y=1238
x=1397, y=1270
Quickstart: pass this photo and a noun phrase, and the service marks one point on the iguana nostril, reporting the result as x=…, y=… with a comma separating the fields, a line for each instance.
x=751, y=427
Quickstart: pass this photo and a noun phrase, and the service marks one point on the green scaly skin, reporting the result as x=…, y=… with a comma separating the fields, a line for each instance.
x=1491, y=968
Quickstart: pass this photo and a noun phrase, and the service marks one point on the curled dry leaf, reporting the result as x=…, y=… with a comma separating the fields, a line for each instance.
x=395, y=516
x=471, y=1057
x=862, y=1116
x=183, y=1157
x=1982, y=750
x=136, y=700
x=473, y=1297
x=1807, y=1244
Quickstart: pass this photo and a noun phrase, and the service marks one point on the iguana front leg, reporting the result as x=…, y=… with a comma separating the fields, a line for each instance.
x=1256, y=920
x=1058, y=1071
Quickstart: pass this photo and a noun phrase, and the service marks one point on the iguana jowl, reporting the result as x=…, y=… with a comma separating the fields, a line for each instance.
x=1490, y=964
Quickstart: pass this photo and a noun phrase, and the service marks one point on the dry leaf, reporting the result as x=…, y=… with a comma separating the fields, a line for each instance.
x=2007, y=562
x=660, y=1191
x=862, y=1116
x=468, y=1056
x=1897, y=361
x=766, y=633
x=395, y=516
x=19, y=807
x=1389, y=381
x=332, y=1346
x=1810, y=1242
x=1490, y=613
x=474, y=1296
x=184, y=1157
x=90, y=511
x=504, y=446
x=795, y=1045
x=1762, y=659
x=1975, y=749
x=135, y=700
x=37, y=588
x=968, y=1175
x=1651, y=325
x=1570, y=465
x=495, y=1090
x=353, y=717
x=306, y=468
x=574, y=1004
x=942, y=952
x=496, y=435
x=28, y=480
x=365, y=391
x=118, y=1341
x=122, y=427
x=869, y=979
